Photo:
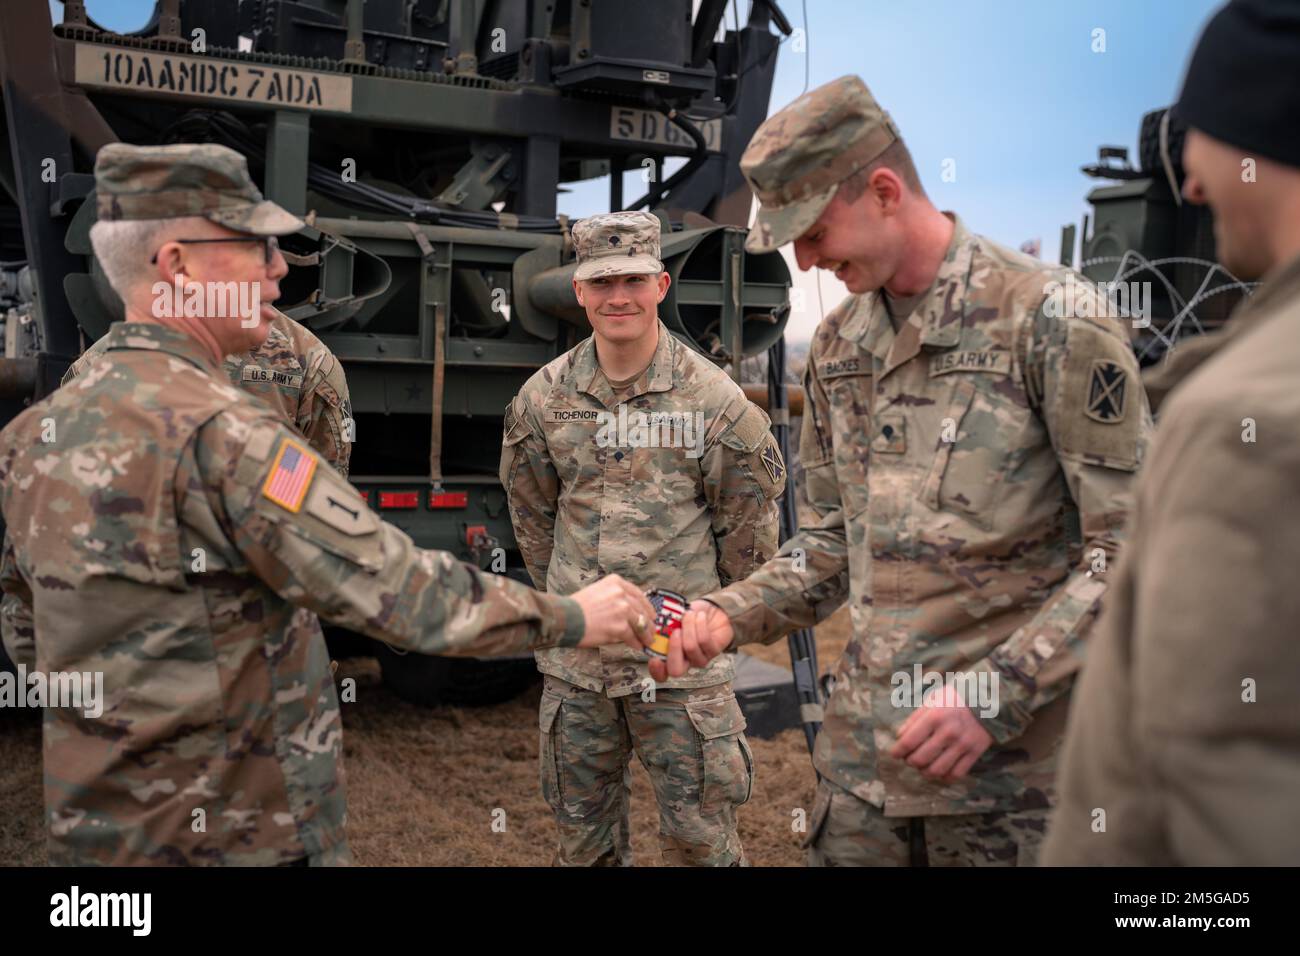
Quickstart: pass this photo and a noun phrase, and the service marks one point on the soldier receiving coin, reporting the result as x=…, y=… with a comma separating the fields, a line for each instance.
x=969, y=455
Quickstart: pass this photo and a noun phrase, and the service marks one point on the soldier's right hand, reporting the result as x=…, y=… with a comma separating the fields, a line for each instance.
x=615, y=611
x=705, y=633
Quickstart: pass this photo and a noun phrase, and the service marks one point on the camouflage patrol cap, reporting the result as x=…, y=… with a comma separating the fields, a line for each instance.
x=187, y=179
x=617, y=244
x=800, y=154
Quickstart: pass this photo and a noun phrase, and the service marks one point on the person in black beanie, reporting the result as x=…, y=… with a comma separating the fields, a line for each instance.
x=1241, y=99
x=1183, y=744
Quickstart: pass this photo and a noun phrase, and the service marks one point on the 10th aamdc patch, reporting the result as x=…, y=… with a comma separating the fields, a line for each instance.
x=290, y=476
x=1106, y=388
x=772, y=462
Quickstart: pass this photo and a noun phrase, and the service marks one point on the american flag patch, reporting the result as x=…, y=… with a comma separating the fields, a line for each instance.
x=290, y=476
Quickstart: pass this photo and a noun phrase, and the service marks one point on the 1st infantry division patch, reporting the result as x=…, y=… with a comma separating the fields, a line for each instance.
x=290, y=475
x=1106, y=392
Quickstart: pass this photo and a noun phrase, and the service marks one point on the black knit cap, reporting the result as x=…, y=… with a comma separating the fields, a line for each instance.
x=1242, y=85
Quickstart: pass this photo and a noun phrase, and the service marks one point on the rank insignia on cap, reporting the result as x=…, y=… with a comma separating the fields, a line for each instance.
x=290, y=475
x=772, y=462
x=1106, y=390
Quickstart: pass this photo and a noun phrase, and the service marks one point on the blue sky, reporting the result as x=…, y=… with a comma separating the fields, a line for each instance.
x=1010, y=90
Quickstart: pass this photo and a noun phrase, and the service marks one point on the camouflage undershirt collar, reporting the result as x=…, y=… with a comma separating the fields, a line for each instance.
x=275, y=343
x=149, y=336
x=658, y=376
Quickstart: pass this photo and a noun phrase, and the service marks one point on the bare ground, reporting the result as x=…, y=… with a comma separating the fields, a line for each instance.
x=423, y=784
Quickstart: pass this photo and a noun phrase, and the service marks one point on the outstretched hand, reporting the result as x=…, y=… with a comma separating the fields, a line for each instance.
x=615, y=611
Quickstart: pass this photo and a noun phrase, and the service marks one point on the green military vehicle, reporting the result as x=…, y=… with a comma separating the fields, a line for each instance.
x=1153, y=252
x=425, y=142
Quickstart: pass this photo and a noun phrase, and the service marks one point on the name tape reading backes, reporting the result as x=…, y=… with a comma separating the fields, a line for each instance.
x=189, y=76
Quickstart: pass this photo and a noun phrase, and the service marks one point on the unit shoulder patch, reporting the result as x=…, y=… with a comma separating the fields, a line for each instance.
x=771, y=459
x=1107, y=387
x=1096, y=409
x=340, y=507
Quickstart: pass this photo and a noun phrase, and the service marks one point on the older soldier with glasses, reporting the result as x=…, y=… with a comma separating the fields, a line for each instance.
x=292, y=370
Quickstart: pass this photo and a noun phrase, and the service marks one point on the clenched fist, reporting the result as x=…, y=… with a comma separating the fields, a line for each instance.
x=706, y=632
x=615, y=611
x=942, y=738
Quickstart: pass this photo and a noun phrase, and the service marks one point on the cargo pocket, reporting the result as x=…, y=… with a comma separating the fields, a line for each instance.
x=548, y=714
x=817, y=819
x=726, y=762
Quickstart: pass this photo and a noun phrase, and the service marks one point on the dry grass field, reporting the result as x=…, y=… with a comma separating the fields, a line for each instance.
x=423, y=783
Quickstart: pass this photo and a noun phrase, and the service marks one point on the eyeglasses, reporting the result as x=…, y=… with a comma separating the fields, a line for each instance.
x=270, y=245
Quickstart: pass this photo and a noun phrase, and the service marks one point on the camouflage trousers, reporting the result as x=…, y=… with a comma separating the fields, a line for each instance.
x=844, y=830
x=691, y=742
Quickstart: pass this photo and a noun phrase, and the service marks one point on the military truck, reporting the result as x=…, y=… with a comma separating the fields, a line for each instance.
x=1145, y=240
x=425, y=142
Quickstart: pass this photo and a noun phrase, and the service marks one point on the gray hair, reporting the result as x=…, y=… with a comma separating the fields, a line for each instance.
x=124, y=247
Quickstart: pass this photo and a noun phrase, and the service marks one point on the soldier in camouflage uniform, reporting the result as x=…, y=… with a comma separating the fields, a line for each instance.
x=170, y=532
x=296, y=374
x=292, y=371
x=969, y=450
x=634, y=454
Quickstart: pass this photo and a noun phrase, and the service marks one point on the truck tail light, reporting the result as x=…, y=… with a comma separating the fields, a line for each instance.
x=449, y=499
x=399, y=499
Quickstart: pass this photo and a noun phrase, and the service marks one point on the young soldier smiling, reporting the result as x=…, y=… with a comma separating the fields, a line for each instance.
x=688, y=519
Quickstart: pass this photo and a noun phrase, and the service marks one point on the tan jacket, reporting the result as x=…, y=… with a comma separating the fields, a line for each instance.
x=1184, y=739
